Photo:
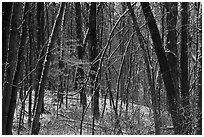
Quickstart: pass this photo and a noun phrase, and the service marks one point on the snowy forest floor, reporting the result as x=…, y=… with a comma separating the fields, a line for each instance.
x=137, y=120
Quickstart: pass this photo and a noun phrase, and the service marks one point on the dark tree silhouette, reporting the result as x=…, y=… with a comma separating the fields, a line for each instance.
x=80, y=52
x=8, y=99
x=19, y=68
x=185, y=95
x=171, y=43
x=93, y=52
x=6, y=13
x=164, y=67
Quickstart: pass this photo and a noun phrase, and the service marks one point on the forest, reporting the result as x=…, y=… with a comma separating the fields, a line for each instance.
x=101, y=68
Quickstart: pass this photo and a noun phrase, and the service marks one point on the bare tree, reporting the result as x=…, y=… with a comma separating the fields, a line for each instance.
x=171, y=42
x=185, y=95
x=20, y=67
x=10, y=67
x=6, y=13
x=118, y=65
x=148, y=69
x=80, y=53
x=172, y=97
x=93, y=53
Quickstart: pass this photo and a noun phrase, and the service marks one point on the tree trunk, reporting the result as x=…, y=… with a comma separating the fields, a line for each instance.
x=123, y=38
x=164, y=67
x=199, y=36
x=36, y=124
x=31, y=62
x=41, y=48
x=61, y=65
x=199, y=117
x=6, y=13
x=172, y=12
x=171, y=43
x=185, y=95
x=80, y=52
x=148, y=71
x=19, y=69
x=10, y=66
x=93, y=51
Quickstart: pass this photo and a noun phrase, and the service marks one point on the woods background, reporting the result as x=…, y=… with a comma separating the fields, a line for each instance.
x=101, y=68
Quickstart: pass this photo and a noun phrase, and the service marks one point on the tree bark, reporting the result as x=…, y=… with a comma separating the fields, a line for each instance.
x=171, y=43
x=199, y=37
x=10, y=66
x=80, y=52
x=6, y=13
x=185, y=95
x=41, y=48
x=61, y=65
x=164, y=67
x=199, y=117
x=31, y=62
x=93, y=51
x=19, y=69
x=172, y=12
x=123, y=38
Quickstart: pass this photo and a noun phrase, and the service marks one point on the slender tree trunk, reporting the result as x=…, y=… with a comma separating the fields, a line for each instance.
x=93, y=52
x=79, y=80
x=172, y=12
x=199, y=117
x=185, y=95
x=10, y=67
x=19, y=69
x=123, y=38
x=93, y=49
x=31, y=62
x=6, y=13
x=171, y=43
x=41, y=48
x=199, y=37
x=80, y=52
x=164, y=67
x=36, y=124
x=148, y=71
x=128, y=89
x=61, y=65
